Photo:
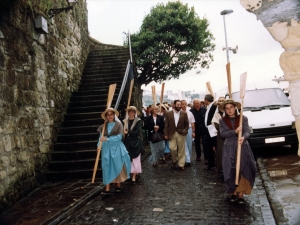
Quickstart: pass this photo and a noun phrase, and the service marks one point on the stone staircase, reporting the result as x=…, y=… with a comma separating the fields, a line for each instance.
x=74, y=152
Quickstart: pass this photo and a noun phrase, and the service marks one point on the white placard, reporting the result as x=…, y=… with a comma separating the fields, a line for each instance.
x=212, y=130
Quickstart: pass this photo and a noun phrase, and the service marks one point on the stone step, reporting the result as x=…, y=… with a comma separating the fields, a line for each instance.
x=75, y=146
x=92, y=115
x=101, y=92
x=72, y=164
x=69, y=138
x=82, y=122
x=100, y=68
x=97, y=84
x=74, y=155
x=110, y=78
x=105, y=70
x=89, y=109
x=73, y=174
x=78, y=130
x=106, y=61
x=97, y=96
x=109, y=52
x=92, y=103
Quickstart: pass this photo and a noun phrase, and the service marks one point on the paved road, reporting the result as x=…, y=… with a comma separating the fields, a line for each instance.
x=282, y=179
x=166, y=196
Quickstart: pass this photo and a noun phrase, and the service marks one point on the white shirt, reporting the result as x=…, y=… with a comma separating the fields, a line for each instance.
x=190, y=117
x=176, y=117
x=154, y=119
x=207, y=111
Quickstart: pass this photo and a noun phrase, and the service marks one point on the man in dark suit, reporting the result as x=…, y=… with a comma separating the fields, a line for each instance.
x=176, y=129
x=199, y=114
x=210, y=142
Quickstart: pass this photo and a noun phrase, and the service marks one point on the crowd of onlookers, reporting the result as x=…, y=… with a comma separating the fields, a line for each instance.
x=171, y=130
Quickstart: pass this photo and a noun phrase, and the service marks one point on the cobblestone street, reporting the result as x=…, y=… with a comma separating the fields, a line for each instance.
x=166, y=196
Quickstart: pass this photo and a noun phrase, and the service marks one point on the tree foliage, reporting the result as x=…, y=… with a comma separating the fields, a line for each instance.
x=171, y=41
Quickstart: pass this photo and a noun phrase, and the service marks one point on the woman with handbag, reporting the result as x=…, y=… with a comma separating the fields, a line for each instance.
x=133, y=141
x=114, y=156
x=155, y=125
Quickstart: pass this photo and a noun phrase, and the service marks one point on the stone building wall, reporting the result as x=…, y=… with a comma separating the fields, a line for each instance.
x=38, y=73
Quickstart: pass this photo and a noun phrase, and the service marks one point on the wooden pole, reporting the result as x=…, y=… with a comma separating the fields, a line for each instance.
x=130, y=92
x=243, y=79
x=128, y=103
x=162, y=95
x=209, y=88
x=229, y=79
x=153, y=94
x=110, y=96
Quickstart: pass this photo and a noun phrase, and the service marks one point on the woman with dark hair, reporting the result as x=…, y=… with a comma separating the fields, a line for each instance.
x=229, y=129
x=114, y=156
x=155, y=123
x=133, y=141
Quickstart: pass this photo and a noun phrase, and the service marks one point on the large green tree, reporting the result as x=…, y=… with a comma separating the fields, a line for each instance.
x=172, y=40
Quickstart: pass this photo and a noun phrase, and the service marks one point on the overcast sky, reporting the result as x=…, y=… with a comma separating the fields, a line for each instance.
x=258, y=53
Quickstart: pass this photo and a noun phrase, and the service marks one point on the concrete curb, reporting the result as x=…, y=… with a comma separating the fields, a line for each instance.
x=63, y=214
x=271, y=194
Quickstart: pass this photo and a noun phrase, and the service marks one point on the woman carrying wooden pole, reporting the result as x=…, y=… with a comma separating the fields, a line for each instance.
x=237, y=154
x=111, y=92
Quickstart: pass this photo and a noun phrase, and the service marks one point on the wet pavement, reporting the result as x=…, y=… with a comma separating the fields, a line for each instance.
x=50, y=201
x=161, y=196
x=166, y=196
x=282, y=178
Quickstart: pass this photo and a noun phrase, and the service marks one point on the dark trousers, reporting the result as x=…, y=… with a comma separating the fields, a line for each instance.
x=197, y=145
x=209, y=143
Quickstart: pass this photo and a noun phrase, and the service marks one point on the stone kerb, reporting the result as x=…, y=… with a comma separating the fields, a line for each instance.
x=38, y=73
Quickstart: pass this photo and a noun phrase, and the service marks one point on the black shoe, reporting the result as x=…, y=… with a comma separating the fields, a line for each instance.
x=207, y=167
x=105, y=192
x=133, y=182
x=187, y=164
x=241, y=201
x=163, y=161
x=154, y=165
x=233, y=198
x=118, y=189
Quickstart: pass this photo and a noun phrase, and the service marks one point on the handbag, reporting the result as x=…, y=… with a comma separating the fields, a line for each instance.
x=157, y=137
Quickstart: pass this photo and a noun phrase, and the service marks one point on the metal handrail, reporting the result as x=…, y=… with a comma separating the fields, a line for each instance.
x=123, y=85
x=126, y=74
x=129, y=44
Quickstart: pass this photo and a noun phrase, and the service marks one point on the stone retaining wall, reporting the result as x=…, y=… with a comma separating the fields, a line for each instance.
x=38, y=73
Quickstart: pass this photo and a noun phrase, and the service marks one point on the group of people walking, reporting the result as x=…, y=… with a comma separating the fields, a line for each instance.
x=121, y=147
x=213, y=127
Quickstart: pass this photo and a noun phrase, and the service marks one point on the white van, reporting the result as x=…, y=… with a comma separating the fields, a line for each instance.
x=269, y=114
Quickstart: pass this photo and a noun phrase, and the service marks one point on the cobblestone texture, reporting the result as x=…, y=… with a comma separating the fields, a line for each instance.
x=166, y=196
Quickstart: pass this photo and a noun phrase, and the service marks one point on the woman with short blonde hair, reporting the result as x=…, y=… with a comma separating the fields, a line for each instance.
x=133, y=140
x=155, y=124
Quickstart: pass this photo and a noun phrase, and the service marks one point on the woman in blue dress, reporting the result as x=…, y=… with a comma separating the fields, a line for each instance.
x=115, y=160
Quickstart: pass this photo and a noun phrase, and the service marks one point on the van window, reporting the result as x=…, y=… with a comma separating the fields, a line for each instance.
x=263, y=99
